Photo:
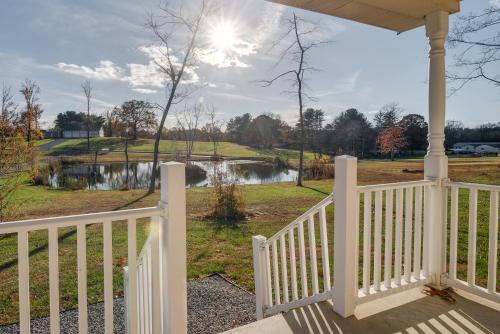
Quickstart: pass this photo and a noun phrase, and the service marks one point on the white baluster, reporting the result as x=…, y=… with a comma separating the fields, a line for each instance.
x=277, y=291
x=399, y=237
x=302, y=255
x=453, y=232
x=417, y=242
x=377, y=259
x=108, y=278
x=312, y=254
x=24, y=285
x=408, y=233
x=324, y=249
x=493, y=243
x=293, y=264
x=471, y=263
x=132, y=274
x=81, y=250
x=54, y=280
x=388, y=238
x=284, y=271
x=367, y=234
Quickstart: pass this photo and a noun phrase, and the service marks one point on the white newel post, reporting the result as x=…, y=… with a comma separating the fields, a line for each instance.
x=344, y=245
x=173, y=248
x=259, y=270
x=436, y=162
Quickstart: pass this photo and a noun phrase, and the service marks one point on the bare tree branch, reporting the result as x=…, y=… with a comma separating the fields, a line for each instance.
x=478, y=57
x=300, y=38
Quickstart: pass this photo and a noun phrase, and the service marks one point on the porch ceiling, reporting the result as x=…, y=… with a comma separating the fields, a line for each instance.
x=397, y=15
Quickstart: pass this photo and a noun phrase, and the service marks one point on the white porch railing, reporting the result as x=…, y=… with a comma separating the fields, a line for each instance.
x=394, y=236
x=280, y=285
x=161, y=260
x=381, y=243
x=468, y=195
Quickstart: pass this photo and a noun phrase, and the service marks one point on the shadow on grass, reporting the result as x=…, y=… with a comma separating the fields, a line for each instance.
x=316, y=190
x=41, y=248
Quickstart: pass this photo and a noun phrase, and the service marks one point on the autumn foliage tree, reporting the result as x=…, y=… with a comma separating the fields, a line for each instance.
x=390, y=140
x=30, y=116
x=15, y=154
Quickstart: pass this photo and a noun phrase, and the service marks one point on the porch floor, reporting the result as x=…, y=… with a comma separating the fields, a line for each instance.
x=407, y=312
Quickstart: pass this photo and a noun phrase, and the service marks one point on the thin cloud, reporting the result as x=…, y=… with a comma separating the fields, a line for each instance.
x=107, y=70
x=144, y=90
x=345, y=86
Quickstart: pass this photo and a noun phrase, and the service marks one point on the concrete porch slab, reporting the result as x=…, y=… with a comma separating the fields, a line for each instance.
x=407, y=312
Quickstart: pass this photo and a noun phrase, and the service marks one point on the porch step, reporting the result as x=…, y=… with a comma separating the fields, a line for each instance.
x=406, y=312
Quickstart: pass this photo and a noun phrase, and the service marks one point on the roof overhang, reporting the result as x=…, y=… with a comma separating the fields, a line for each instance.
x=396, y=15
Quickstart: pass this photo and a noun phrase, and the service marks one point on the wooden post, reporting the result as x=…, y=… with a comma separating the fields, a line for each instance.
x=344, y=272
x=436, y=162
x=259, y=270
x=173, y=248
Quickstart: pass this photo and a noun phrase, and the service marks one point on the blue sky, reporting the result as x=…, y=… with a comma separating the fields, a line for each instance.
x=61, y=43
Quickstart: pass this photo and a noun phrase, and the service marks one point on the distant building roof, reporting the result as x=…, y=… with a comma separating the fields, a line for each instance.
x=493, y=144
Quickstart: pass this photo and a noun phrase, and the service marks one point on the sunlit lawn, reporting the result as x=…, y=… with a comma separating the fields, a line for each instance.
x=171, y=146
x=211, y=247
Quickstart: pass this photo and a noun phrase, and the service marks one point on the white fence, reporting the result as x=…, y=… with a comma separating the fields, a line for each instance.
x=280, y=285
x=467, y=196
x=395, y=236
x=381, y=244
x=162, y=260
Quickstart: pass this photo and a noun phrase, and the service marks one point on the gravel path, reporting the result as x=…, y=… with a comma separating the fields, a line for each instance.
x=214, y=305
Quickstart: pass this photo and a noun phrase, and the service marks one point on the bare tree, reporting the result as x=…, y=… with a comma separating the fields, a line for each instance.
x=109, y=115
x=87, y=91
x=33, y=111
x=8, y=113
x=171, y=26
x=213, y=128
x=477, y=38
x=303, y=39
x=188, y=121
x=138, y=115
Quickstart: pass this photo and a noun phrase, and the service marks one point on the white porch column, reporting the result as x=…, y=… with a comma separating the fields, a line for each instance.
x=345, y=237
x=436, y=162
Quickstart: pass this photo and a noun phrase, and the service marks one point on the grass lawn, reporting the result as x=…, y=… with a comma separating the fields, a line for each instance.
x=212, y=247
x=171, y=146
x=43, y=141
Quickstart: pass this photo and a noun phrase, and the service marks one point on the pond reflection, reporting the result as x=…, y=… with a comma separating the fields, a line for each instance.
x=113, y=176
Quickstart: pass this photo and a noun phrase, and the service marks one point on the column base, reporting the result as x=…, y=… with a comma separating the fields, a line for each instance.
x=436, y=166
x=439, y=287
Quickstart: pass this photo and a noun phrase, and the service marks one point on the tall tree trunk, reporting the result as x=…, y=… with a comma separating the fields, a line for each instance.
x=302, y=137
x=126, y=161
x=152, y=183
x=88, y=125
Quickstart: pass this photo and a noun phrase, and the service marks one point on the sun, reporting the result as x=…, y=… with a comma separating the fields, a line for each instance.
x=223, y=36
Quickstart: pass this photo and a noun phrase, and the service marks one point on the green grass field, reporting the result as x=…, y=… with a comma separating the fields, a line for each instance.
x=212, y=247
x=170, y=146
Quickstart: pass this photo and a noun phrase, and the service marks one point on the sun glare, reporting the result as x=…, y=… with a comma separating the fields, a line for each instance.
x=223, y=36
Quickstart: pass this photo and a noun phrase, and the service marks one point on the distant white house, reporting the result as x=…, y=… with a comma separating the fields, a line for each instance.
x=82, y=133
x=477, y=147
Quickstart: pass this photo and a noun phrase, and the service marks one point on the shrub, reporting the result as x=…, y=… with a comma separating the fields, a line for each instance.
x=195, y=172
x=281, y=163
x=319, y=169
x=227, y=203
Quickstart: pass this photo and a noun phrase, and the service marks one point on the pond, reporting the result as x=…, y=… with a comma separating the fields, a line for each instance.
x=113, y=176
